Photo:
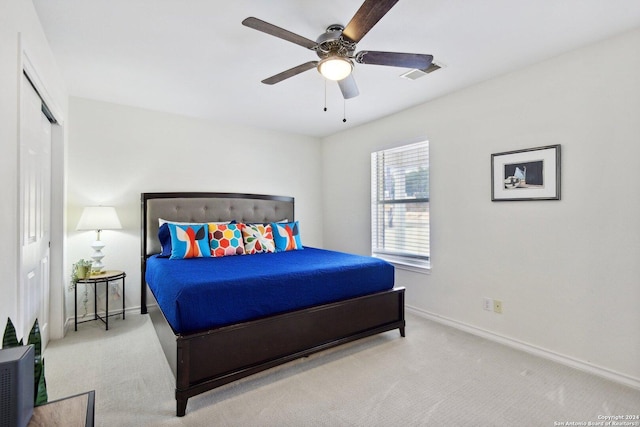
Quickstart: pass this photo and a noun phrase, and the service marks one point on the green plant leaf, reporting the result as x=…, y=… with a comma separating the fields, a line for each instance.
x=10, y=339
x=36, y=339
x=40, y=385
x=41, y=396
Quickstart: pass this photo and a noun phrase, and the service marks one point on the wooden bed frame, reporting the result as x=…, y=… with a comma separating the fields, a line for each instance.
x=204, y=360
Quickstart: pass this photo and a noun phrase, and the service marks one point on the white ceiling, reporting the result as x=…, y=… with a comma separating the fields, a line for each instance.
x=195, y=58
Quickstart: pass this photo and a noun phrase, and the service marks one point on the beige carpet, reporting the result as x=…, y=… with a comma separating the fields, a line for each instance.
x=436, y=376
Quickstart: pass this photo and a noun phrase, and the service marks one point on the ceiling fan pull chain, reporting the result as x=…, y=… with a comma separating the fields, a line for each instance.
x=344, y=110
x=325, y=94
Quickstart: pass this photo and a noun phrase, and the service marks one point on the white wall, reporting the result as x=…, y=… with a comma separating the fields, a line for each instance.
x=117, y=152
x=21, y=34
x=567, y=271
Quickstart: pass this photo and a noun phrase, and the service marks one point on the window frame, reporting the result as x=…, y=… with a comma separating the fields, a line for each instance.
x=410, y=259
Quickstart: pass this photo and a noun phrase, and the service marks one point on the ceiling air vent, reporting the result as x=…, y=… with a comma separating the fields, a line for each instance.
x=416, y=74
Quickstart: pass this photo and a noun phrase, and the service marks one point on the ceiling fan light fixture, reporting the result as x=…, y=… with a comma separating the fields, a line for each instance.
x=335, y=67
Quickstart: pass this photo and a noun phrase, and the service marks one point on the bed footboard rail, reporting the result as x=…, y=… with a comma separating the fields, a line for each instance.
x=213, y=358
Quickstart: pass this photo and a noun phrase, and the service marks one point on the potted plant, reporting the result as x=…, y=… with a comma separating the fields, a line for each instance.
x=81, y=270
x=10, y=339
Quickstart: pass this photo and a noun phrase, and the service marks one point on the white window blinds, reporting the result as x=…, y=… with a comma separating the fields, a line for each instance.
x=400, y=204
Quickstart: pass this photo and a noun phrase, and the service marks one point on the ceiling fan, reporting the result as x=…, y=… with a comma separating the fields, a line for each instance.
x=336, y=48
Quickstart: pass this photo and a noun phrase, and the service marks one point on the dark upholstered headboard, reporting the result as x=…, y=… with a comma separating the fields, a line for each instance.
x=204, y=207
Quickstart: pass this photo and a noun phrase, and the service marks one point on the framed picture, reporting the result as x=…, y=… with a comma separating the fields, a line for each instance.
x=531, y=174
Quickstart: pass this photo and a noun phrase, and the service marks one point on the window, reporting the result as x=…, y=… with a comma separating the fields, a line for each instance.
x=400, y=204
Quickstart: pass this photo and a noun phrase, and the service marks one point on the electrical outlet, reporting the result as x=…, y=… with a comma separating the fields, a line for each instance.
x=497, y=306
x=487, y=304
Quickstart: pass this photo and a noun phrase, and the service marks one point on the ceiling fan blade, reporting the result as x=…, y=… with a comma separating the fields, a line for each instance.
x=290, y=72
x=395, y=59
x=265, y=27
x=366, y=17
x=349, y=87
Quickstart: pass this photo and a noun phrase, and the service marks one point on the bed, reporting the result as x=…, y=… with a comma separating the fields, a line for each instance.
x=268, y=329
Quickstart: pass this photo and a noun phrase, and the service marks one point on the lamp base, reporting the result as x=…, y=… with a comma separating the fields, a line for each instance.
x=97, y=256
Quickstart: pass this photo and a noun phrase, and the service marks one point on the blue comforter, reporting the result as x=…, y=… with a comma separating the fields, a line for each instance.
x=201, y=293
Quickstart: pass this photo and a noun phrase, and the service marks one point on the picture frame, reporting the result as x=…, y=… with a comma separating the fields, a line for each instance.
x=524, y=175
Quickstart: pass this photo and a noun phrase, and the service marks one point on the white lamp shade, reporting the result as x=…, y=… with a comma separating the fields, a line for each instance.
x=99, y=218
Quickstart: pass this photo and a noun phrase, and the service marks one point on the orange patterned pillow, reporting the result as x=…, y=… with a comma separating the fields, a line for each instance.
x=189, y=241
x=286, y=236
x=225, y=239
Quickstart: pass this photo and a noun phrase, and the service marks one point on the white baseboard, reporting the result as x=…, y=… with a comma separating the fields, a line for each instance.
x=529, y=348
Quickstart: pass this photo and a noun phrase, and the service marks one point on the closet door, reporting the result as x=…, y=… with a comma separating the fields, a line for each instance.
x=35, y=212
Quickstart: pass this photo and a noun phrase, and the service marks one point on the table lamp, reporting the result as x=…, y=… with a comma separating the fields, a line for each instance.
x=98, y=218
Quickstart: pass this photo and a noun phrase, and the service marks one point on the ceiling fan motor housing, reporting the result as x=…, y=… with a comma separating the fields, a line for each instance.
x=331, y=43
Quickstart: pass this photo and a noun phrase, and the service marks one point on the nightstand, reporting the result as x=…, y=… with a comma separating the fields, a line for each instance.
x=95, y=279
